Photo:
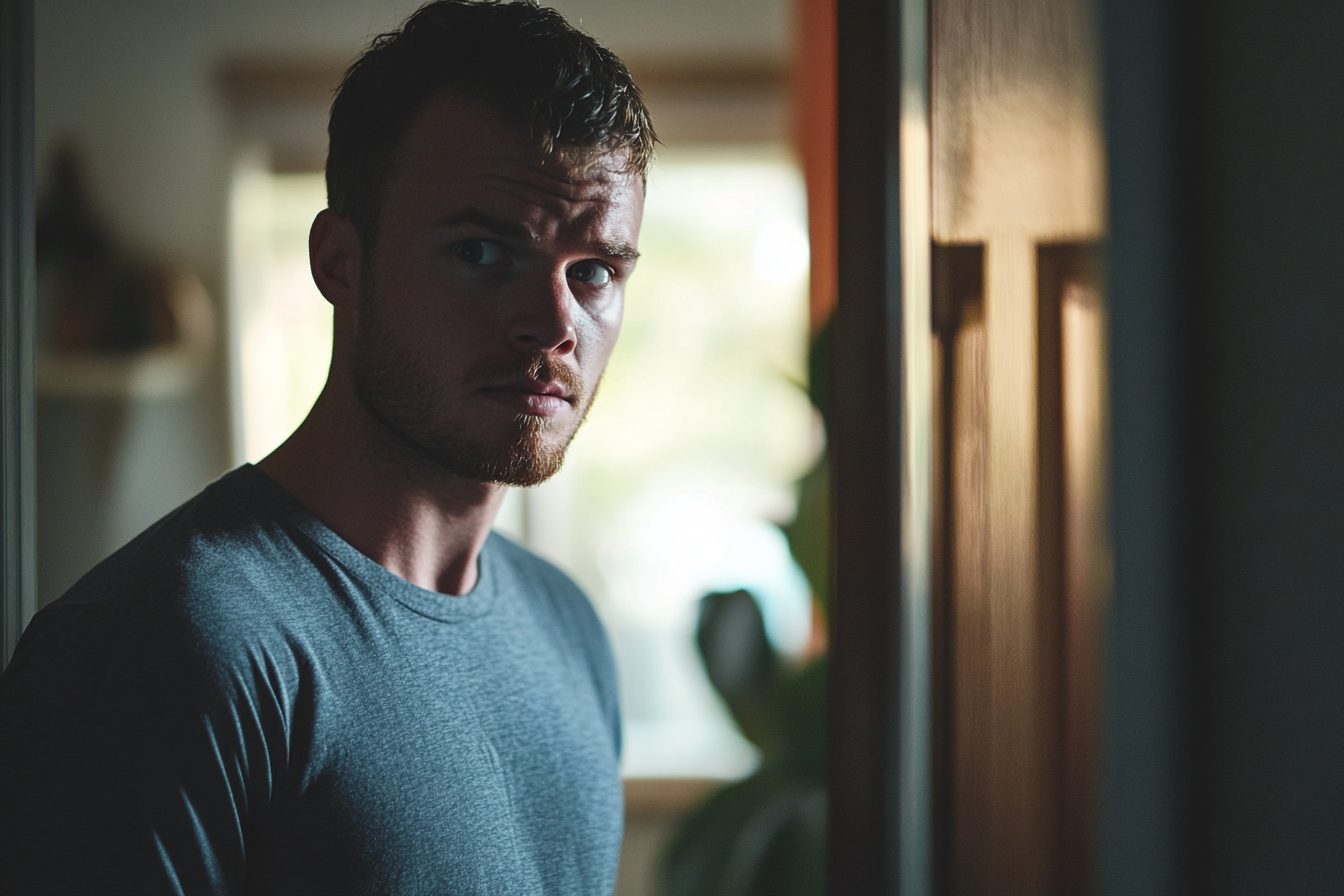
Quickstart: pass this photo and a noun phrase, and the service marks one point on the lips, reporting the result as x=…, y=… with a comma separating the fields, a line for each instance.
x=544, y=388
x=550, y=389
x=540, y=399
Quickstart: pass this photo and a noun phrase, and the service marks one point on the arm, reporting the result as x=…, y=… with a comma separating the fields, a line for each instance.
x=123, y=760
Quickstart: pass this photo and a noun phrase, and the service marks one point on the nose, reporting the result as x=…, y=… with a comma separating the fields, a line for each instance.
x=545, y=323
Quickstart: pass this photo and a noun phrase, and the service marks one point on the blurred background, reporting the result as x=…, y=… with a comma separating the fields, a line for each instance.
x=1120, y=375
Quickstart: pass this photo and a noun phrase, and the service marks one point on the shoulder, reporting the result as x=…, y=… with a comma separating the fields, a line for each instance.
x=176, y=646
x=141, y=686
x=192, y=585
x=554, y=600
x=520, y=561
x=542, y=582
x=561, y=609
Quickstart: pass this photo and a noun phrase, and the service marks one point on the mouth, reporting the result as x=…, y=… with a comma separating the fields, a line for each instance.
x=546, y=388
x=534, y=397
x=554, y=389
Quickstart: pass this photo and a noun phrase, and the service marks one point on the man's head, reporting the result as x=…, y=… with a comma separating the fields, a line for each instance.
x=486, y=188
x=575, y=97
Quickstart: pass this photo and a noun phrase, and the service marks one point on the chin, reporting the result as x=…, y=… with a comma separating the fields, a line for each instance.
x=532, y=457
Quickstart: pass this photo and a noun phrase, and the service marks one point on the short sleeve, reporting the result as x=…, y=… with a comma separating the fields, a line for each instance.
x=126, y=765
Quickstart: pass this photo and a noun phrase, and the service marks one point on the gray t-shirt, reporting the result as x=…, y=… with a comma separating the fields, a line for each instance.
x=239, y=701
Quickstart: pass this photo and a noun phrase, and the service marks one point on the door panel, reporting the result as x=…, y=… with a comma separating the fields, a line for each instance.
x=1017, y=211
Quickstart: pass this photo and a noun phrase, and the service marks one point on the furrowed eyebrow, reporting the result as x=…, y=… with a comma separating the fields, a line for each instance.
x=514, y=230
x=623, y=251
x=501, y=226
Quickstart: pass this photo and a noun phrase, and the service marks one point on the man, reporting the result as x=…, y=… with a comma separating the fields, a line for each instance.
x=324, y=674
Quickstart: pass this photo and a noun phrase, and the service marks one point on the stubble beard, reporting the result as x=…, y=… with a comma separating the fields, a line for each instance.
x=414, y=407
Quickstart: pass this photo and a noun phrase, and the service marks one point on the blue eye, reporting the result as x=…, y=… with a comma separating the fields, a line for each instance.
x=592, y=272
x=482, y=252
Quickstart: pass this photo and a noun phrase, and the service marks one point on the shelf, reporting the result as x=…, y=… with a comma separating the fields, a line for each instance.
x=160, y=372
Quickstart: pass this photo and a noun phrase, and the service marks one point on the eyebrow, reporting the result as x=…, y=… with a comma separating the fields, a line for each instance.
x=623, y=251
x=501, y=226
x=513, y=230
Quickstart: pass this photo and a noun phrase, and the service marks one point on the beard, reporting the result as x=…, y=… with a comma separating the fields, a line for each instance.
x=404, y=394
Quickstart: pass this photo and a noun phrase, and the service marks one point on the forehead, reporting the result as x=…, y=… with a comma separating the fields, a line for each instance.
x=461, y=151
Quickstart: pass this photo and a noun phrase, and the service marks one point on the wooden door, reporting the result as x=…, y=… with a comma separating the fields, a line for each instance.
x=1017, y=337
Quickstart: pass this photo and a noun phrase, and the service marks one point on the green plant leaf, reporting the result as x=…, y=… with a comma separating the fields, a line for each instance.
x=740, y=662
x=763, y=836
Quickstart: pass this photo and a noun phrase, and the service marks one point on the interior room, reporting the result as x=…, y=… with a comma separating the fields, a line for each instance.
x=984, y=536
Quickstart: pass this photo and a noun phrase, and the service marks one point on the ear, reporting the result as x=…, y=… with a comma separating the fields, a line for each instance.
x=335, y=255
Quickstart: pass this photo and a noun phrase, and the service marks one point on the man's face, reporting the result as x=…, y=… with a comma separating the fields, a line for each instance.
x=492, y=296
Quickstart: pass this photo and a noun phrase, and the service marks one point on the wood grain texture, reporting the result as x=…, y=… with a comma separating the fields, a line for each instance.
x=1017, y=142
x=1018, y=847
x=1016, y=164
x=970, y=634
x=1087, y=565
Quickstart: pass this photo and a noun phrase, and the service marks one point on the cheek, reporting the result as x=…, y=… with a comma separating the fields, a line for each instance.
x=598, y=334
x=425, y=313
x=405, y=275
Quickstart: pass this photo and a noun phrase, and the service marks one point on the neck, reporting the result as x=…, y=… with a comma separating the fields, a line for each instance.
x=420, y=523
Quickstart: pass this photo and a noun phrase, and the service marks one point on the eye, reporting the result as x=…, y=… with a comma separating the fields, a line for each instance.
x=482, y=252
x=593, y=272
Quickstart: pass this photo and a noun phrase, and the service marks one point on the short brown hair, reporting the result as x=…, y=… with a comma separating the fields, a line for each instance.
x=574, y=94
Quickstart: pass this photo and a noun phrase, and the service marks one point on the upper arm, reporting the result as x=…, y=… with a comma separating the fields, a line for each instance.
x=124, y=763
